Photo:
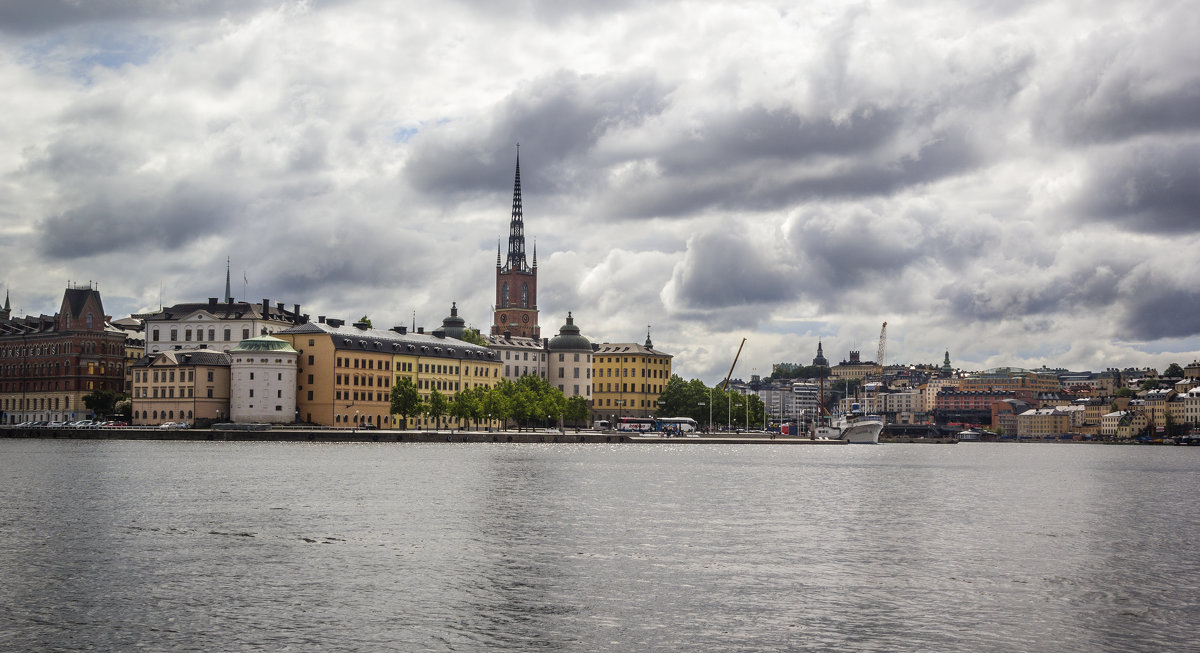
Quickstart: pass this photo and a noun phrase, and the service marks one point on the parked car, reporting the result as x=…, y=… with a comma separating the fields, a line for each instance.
x=172, y=425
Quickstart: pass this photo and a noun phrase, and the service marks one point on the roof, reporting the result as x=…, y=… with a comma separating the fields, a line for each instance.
x=220, y=311
x=186, y=357
x=264, y=343
x=569, y=338
x=627, y=348
x=392, y=342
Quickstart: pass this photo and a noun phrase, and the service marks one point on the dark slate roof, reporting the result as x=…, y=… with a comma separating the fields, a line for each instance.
x=393, y=342
x=188, y=357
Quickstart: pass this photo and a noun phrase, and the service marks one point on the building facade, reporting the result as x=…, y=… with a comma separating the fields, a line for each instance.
x=628, y=379
x=48, y=364
x=346, y=372
x=214, y=325
x=262, y=376
x=570, y=361
x=181, y=386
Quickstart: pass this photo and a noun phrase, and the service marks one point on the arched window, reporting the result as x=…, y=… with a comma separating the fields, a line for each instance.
x=504, y=295
x=524, y=295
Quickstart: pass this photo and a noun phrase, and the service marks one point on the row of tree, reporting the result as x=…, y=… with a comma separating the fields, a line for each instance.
x=696, y=400
x=528, y=402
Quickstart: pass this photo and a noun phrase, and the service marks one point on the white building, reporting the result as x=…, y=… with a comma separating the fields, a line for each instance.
x=570, y=361
x=216, y=325
x=519, y=356
x=262, y=379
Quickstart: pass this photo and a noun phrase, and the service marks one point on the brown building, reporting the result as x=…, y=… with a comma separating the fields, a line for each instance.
x=49, y=363
x=516, y=311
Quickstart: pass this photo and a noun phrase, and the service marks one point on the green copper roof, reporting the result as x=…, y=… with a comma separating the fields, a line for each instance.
x=263, y=343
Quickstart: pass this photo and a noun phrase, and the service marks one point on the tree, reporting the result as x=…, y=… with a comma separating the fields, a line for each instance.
x=1174, y=371
x=472, y=336
x=1150, y=384
x=366, y=320
x=495, y=404
x=576, y=411
x=1123, y=392
x=102, y=402
x=406, y=401
x=437, y=407
x=466, y=404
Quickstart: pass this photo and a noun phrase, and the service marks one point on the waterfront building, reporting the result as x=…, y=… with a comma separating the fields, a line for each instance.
x=49, y=363
x=1004, y=415
x=1154, y=404
x=628, y=379
x=181, y=386
x=1109, y=423
x=971, y=406
x=1192, y=371
x=1191, y=408
x=135, y=347
x=570, y=364
x=516, y=311
x=1011, y=379
x=213, y=325
x=346, y=373
x=519, y=356
x=1042, y=423
x=855, y=368
x=262, y=376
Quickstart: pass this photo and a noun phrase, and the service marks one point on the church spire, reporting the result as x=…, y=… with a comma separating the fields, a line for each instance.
x=228, y=294
x=516, y=226
x=6, y=312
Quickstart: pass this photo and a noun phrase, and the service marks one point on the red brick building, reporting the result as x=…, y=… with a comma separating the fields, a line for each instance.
x=49, y=363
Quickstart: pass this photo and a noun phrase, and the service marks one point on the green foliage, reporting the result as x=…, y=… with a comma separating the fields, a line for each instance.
x=576, y=411
x=102, y=402
x=1174, y=371
x=406, y=401
x=473, y=336
x=437, y=406
x=366, y=320
x=1123, y=392
x=1150, y=384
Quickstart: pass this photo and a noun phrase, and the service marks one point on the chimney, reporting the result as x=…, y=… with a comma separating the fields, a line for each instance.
x=212, y=302
x=320, y=319
x=420, y=329
x=296, y=314
x=266, y=308
x=508, y=335
x=400, y=329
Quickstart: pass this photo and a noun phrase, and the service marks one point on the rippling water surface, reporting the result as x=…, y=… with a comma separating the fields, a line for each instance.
x=164, y=546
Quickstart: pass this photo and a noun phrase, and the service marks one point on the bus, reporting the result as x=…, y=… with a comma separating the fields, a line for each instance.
x=680, y=424
x=638, y=424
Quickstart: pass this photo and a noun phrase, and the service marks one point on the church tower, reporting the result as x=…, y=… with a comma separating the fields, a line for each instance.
x=516, y=280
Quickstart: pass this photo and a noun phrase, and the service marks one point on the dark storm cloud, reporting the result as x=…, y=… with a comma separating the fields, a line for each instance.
x=780, y=135
x=723, y=270
x=106, y=223
x=21, y=17
x=1151, y=188
x=1162, y=310
x=988, y=299
x=556, y=119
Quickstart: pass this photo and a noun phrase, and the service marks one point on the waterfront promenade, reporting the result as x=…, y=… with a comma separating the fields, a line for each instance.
x=289, y=434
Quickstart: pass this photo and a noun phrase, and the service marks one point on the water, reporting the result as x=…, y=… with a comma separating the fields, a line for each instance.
x=197, y=546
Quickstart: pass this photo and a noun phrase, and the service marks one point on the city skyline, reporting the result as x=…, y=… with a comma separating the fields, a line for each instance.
x=1014, y=185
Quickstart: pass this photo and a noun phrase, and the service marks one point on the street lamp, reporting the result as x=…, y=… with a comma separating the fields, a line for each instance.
x=701, y=404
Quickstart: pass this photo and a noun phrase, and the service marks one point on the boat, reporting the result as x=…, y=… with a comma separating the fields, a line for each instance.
x=854, y=427
x=969, y=435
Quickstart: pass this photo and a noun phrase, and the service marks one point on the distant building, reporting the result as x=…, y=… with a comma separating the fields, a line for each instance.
x=213, y=325
x=181, y=386
x=1011, y=379
x=628, y=379
x=262, y=374
x=855, y=368
x=1043, y=422
x=570, y=364
x=49, y=363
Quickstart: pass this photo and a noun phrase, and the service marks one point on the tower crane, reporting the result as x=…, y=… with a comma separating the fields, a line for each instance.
x=882, y=346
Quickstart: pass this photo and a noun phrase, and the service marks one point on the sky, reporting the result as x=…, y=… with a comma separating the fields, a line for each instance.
x=1015, y=183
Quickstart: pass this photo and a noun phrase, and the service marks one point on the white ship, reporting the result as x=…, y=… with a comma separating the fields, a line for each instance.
x=853, y=427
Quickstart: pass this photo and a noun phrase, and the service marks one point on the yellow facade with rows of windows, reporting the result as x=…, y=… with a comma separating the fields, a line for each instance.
x=346, y=373
x=628, y=379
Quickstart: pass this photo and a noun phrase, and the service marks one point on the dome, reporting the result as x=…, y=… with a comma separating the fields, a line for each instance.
x=263, y=343
x=569, y=339
x=453, y=325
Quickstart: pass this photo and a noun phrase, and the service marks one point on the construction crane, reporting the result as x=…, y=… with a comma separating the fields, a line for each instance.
x=739, y=353
x=882, y=346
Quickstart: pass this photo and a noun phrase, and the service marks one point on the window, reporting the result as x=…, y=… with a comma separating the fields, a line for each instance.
x=155, y=338
x=212, y=334
x=174, y=335
x=187, y=335
x=199, y=335
x=226, y=335
x=210, y=376
x=310, y=359
x=251, y=392
x=245, y=334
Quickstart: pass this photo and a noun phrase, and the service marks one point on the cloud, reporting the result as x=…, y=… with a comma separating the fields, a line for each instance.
x=1149, y=187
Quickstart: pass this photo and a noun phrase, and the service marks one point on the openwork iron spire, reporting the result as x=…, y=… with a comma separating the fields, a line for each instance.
x=228, y=294
x=516, y=226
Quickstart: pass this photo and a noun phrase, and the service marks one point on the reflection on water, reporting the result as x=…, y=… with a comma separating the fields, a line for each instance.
x=350, y=547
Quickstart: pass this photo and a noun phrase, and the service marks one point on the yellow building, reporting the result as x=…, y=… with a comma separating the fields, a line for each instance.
x=346, y=373
x=1012, y=379
x=1043, y=422
x=628, y=379
x=181, y=386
